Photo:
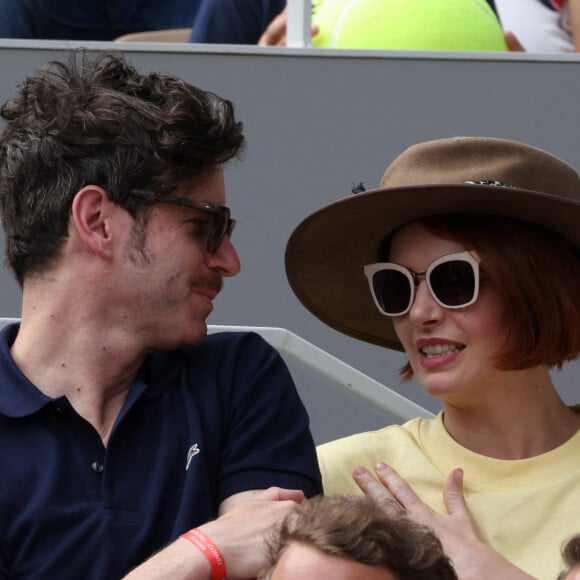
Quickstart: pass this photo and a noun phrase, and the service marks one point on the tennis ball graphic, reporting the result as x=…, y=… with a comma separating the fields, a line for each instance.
x=407, y=25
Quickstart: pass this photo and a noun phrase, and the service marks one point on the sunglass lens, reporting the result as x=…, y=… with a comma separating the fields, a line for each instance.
x=392, y=290
x=218, y=231
x=453, y=282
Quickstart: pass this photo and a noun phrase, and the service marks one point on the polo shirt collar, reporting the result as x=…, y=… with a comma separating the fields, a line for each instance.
x=19, y=397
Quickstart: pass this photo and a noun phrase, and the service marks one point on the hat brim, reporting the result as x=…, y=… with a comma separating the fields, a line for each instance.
x=326, y=253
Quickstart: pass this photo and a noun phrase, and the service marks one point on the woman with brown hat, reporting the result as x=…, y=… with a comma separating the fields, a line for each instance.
x=467, y=258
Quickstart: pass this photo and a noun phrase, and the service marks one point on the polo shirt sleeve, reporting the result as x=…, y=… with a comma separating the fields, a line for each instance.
x=267, y=436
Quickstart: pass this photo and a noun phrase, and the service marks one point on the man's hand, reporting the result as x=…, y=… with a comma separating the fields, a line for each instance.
x=239, y=534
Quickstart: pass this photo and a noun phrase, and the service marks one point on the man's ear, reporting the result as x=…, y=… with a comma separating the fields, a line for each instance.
x=91, y=216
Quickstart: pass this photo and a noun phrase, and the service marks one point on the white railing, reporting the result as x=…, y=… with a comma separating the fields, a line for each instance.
x=299, y=23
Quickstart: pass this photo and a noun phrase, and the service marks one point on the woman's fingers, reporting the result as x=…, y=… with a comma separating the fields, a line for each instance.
x=391, y=491
x=453, y=494
x=402, y=491
x=377, y=490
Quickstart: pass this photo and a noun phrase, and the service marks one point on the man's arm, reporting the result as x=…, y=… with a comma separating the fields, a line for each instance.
x=268, y=443
x=238, y=533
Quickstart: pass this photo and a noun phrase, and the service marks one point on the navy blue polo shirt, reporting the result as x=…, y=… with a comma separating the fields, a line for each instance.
x=198, y=425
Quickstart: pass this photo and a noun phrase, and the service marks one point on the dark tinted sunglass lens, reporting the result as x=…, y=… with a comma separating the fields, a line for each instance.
x=230, y=225
x=393, y=290
x=218, y=230
x=453, y=282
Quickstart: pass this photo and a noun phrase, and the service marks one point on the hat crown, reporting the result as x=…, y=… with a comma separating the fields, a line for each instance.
x=461, y=160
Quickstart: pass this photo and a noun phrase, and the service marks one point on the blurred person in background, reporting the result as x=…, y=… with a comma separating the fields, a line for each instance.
x=249, y=21
x=541, y=26
x=91, y=19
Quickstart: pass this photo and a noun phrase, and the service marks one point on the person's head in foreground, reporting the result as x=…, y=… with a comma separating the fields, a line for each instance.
x=349, y=538
x=571, y=555
x=98, y=164
x=466, y=258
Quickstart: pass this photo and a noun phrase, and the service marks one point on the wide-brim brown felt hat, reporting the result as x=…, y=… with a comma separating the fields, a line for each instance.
x=327, y=251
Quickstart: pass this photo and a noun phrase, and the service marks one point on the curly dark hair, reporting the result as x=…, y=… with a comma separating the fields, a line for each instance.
x=354, y=528
x=97, y=121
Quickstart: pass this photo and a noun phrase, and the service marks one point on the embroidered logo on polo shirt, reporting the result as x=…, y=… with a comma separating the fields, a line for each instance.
x=193, y=451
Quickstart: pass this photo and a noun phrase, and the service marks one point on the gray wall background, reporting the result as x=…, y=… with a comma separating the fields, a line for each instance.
x=319, y=121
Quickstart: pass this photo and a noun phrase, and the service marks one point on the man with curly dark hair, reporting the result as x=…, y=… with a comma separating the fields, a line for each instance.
x=124, y=429
x=349, y=538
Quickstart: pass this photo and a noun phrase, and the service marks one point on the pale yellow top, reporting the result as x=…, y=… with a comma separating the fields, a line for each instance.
x=525, y=509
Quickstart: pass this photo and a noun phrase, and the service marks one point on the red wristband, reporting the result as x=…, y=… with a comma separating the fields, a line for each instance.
x=210, y=551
